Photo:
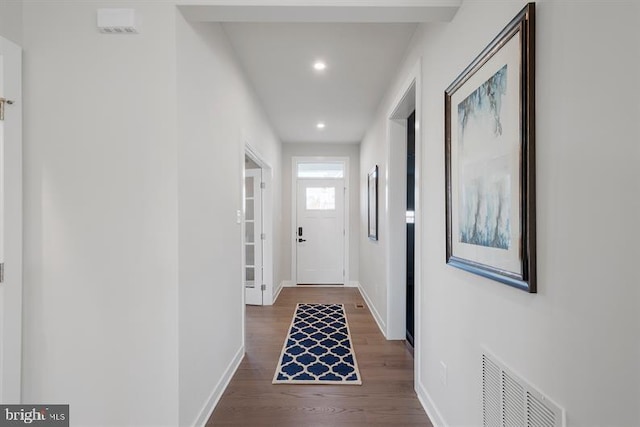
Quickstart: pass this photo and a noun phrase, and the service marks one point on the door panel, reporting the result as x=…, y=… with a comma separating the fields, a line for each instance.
x=320, y=231
x=253, y=269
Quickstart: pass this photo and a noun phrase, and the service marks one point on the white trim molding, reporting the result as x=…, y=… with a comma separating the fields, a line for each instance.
x=219, y=389
x=372, y=308
x=11, y=200
x=407, y=99
x=294, y=208
x=288, y=284
x=281, y=286
x=267, y=220
x=429, y=407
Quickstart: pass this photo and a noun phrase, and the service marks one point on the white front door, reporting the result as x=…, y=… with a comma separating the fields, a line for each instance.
x=253, y=269
x=10, y=222
x=320, y=232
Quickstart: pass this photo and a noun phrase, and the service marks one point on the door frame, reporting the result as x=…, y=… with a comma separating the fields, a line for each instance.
x=267, y=222
x=294, y=211
x=11, y=347
x=407, y=99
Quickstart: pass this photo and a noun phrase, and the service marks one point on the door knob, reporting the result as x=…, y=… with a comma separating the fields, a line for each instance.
x=302, y=240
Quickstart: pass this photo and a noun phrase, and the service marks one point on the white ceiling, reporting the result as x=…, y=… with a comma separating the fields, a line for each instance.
x=374, y=11
x=362, y=42
x=361, y=61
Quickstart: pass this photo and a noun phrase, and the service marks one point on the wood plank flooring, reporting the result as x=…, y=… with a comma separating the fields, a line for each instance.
x=386, y=396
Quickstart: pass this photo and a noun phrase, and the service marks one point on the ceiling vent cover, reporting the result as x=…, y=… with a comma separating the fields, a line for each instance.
x=508, y=401
x=117, y=21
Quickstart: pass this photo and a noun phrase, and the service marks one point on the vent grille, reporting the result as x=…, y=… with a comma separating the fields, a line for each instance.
x=491, y=393
x=537, y=412
x=508, y=401
x=118, y=30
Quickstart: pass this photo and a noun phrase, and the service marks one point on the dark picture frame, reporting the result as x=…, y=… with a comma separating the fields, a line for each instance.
x=372, y=198
x=490, y=159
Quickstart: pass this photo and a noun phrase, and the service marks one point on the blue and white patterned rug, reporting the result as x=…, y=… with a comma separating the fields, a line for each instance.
x=318, y=348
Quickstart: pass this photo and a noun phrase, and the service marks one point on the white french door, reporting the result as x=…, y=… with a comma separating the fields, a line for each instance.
x=253, y=259
x=320, y=231
x=10, y=221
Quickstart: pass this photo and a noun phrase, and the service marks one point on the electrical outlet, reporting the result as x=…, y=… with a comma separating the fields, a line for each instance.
x=238, y=216
x=443, y=373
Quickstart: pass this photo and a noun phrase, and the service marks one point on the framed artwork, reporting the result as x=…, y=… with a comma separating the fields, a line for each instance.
x=490, y=159
x=372, y=191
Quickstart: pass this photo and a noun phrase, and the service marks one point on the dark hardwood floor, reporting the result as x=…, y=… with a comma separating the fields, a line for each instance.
x=386, y=396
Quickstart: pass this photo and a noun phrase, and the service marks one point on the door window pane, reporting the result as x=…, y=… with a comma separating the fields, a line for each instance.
x=248, y=186
x=250, y=277
x=249, y=234
x=321, y=198
x=249, y=215
x=250, y=258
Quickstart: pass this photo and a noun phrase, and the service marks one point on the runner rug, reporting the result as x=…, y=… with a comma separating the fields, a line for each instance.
x=318, y=348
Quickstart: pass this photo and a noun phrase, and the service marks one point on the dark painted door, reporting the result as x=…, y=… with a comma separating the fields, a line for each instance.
x=411, y=203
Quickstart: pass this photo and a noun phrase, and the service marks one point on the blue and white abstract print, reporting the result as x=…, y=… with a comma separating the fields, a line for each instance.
x=485, y=184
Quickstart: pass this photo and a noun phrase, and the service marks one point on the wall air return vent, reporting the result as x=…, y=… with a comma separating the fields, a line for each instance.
x=508, y=401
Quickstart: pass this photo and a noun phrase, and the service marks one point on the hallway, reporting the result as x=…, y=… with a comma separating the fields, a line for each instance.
x=386, y=396
x=123, y=207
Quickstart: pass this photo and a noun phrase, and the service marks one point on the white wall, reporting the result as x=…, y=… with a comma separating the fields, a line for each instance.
x=101, y=226
x=133, y=170
x=11, y=20
x=217, y=114
x=576, y=339
x=328, y=150
x=372, y=261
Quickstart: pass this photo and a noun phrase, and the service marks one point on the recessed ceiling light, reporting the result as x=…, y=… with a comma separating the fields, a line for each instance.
x=320, y=125
x=319, y=66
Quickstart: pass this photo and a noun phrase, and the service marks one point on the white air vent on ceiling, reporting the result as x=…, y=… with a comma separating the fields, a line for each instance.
x=508, y=401
x=117, y=21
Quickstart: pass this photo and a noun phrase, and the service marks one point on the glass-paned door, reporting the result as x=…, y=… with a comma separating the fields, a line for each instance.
x=253, y=269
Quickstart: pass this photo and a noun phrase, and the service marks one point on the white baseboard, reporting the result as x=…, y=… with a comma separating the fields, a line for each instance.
x=429, y=407
x=292, y=284
x=266, y=298
x=275, y=297
x=376, y=316
x=216, y=394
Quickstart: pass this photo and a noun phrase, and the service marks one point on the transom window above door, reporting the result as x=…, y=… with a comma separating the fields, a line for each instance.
x=320, y=170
